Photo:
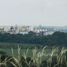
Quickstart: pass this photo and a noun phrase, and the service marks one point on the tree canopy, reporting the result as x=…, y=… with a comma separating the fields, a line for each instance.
x=58, y=38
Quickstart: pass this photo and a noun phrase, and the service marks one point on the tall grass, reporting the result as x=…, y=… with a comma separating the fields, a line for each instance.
x=44, y=57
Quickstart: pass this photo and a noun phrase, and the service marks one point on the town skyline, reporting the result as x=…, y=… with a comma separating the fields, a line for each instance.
x=36, y=29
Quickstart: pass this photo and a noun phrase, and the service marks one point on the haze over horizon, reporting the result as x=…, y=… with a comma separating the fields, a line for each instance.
x=33, y=12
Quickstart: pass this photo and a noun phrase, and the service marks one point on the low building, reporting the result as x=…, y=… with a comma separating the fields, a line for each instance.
x=2, y=30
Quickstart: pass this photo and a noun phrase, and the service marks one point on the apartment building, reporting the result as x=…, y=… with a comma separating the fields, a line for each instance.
x=39, y=30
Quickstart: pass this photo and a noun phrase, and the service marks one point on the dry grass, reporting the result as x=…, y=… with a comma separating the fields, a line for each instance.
x=45, y=57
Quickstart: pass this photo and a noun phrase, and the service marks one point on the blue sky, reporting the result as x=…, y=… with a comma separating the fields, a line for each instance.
x=33, y=12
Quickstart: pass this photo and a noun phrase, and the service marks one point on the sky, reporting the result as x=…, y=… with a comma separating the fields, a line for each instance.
x=33, y=12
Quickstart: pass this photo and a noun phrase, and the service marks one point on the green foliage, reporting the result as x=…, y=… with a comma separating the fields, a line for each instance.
x=58, y=39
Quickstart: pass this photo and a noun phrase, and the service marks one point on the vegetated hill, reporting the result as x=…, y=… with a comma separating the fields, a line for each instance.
x=58, y=38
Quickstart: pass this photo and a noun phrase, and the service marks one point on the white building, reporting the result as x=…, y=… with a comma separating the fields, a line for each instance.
x=2, y=29
x=39, y=30
x=19, y=29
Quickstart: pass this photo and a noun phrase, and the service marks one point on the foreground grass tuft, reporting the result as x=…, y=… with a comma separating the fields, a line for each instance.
x=44, y=57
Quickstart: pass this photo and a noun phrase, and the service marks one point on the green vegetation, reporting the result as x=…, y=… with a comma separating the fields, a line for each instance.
x=32, y=51
x=57, y=39
x=44, y=57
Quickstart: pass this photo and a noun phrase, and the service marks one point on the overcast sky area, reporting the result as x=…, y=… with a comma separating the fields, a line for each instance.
x=33, y=12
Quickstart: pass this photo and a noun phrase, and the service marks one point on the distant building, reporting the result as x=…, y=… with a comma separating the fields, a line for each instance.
x=24, y=29
x=19, y=29
x=38, y=30
x=2, y=30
